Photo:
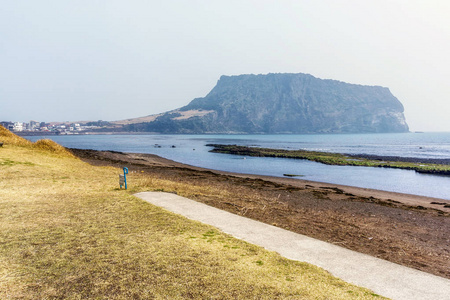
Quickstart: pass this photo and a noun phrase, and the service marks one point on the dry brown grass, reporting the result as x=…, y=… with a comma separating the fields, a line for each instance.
x=68, y=232
x=8, y=138
x=48, y=145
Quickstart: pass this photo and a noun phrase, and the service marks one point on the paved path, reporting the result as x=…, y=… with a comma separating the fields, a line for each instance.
x=383, y=277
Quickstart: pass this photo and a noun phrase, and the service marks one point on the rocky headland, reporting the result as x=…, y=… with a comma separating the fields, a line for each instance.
x=282, y=103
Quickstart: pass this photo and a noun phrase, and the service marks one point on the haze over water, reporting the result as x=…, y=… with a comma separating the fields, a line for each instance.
x=191, y=149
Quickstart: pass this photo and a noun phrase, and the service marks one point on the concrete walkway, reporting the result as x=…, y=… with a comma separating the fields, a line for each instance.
x=383, y=277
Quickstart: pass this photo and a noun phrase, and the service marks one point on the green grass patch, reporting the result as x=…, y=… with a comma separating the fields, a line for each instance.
x=7, y=162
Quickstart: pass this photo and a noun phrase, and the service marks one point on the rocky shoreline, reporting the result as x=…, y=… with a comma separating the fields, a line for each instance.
x=416, y=160
x=420, y=165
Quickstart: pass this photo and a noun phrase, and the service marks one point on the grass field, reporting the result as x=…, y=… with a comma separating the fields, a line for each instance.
x=68, y=232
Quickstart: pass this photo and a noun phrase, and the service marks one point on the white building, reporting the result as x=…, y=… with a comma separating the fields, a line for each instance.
x=18, y=126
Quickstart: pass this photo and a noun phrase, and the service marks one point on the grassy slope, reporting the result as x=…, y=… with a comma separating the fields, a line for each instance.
x=67, y=231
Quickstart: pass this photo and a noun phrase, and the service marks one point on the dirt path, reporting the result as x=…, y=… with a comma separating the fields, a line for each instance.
x=410, y=230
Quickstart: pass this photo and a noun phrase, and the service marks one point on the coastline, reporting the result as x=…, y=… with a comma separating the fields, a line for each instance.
x=153, y=159
x=52, y=133
x=405, y=229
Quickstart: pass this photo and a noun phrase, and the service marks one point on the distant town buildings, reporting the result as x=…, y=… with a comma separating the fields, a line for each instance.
x=53, y=128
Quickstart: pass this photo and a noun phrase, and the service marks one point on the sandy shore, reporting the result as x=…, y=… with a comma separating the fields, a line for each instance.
x=410, y=230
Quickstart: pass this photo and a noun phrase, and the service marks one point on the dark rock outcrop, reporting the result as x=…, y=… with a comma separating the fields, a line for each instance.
x=284, y=103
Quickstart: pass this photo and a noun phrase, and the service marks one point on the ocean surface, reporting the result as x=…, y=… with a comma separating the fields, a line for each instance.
x=192, y=150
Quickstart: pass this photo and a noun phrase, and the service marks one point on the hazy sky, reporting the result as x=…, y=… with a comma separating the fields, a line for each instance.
x=108, y=59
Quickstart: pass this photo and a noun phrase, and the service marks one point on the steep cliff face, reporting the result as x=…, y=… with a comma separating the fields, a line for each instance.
x=285, y=103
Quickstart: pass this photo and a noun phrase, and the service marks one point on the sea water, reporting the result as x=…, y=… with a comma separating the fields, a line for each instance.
x=192, y=150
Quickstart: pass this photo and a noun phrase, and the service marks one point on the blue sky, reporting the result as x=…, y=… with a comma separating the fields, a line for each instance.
x=87, y=60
